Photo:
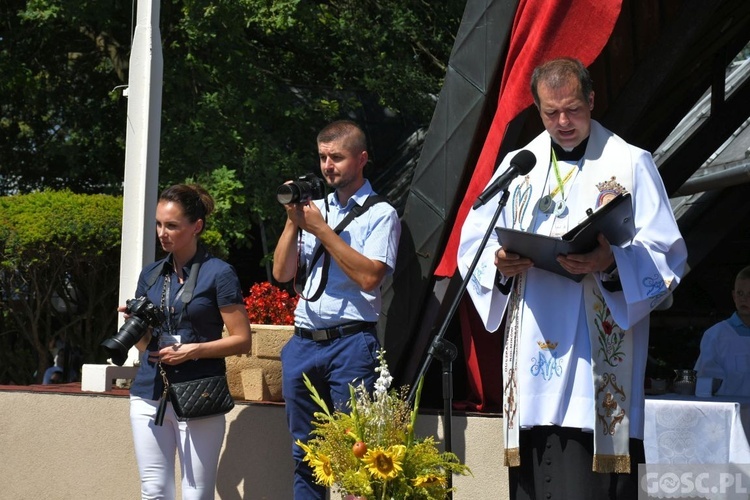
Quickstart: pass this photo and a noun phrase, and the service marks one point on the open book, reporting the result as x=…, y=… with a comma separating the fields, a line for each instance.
x=614, y=220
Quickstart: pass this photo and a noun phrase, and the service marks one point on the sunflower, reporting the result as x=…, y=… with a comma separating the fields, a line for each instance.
x=320, y=464
x=429, y=480
x=385, y=464
x=368, y=447
x=305, y=448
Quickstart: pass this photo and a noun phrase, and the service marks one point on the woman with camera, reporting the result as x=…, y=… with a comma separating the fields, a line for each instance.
x=196, y=295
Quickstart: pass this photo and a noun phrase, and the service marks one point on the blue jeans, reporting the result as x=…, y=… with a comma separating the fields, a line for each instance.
x=331, y=365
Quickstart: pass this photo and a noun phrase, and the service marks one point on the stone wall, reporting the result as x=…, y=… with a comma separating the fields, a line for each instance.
x=257, y=376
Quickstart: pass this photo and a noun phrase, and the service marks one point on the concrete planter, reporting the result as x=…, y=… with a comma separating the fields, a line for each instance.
x=257, y=376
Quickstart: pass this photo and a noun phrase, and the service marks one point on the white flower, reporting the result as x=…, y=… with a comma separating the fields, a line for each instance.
x=383, y=383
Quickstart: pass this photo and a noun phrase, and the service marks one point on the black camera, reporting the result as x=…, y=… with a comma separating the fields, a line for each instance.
x=305, y=188
x=143, y=313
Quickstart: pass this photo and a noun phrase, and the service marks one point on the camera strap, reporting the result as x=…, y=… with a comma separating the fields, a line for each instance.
x=356, y=211
x=186, y=292
x=189, y=287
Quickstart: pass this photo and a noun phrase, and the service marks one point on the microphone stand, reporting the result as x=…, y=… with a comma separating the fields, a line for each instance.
x=445, y=350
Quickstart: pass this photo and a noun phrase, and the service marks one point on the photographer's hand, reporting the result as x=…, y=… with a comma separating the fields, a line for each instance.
x=177, y=353
x=308, y=217
x=285, y=254
x=124, y=310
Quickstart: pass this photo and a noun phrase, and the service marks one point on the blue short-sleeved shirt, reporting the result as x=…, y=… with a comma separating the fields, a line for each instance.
x=375, y=234
x=217, y=286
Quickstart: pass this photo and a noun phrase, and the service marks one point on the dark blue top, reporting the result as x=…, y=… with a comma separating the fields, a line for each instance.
x=217, y=286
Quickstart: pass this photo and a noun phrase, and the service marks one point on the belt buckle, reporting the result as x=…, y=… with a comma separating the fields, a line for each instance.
x=319, y=335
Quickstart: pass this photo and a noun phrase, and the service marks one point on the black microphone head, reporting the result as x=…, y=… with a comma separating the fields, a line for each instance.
x=524, y=161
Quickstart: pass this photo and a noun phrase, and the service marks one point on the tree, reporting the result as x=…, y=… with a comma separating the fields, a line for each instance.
x=60, y=123
x=247, y=84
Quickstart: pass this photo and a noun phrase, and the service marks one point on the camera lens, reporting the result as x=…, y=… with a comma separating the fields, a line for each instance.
x=144, y=314
x=117, y=352
x=130, y=333
x=288, y=193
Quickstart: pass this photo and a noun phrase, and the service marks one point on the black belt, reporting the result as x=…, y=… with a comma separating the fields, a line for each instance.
x=334, y=332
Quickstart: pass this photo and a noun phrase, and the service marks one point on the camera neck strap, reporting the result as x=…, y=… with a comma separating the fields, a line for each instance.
x=185, y=293
x=356, y=211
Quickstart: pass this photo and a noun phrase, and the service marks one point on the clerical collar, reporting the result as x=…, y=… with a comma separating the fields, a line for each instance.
x=574, y=154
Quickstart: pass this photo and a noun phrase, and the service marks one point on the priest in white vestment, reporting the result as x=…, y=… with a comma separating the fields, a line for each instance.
x=575, y=349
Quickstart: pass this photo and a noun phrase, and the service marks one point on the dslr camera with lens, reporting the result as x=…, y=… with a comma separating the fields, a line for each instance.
x=143, y=313
x=305, y=188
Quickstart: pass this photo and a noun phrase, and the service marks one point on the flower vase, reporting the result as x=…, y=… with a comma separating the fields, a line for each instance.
x=353, y=497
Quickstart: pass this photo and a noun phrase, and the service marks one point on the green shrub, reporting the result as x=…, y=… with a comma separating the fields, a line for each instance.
x=59, y=278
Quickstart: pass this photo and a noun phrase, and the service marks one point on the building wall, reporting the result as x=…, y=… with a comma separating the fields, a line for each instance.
x=79, y=446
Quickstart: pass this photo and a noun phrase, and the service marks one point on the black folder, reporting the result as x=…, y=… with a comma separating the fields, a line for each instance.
x=614, y=220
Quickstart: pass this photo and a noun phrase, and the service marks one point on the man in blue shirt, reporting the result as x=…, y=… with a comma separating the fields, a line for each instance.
x=335, y=342
x=725, y=347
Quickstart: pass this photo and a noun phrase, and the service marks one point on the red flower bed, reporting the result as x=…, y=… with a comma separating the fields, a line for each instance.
x=267, y=304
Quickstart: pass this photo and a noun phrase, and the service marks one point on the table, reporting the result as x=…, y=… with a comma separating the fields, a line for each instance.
x=696, y=430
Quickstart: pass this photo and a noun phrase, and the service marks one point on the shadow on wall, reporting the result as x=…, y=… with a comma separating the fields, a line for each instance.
x=260, y=454
x=402, y=301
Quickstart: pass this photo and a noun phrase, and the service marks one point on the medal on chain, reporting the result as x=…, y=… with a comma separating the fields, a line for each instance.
x=547, y=203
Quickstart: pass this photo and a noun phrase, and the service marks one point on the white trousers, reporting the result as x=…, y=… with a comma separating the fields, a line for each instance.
x=198, y=443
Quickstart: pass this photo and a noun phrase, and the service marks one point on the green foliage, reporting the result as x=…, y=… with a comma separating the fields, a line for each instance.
x=42, y=223
x=228, y=222
x=59, y=124
x=247, y=84
x=59, y=267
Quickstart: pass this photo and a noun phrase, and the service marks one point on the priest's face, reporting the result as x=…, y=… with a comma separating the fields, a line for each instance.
x=565, y=112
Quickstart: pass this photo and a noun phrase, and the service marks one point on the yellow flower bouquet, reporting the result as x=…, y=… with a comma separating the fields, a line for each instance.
x=370, y=451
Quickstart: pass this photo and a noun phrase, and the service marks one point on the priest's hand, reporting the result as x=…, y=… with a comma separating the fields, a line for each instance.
x=511, y=264
x=599, y=259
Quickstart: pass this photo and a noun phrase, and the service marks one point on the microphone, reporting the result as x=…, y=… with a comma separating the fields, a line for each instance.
x=521, y=164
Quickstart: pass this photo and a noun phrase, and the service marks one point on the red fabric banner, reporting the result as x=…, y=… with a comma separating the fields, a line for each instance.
x=542, y=30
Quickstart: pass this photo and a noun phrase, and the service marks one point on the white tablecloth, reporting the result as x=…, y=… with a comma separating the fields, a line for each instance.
x=694, y=430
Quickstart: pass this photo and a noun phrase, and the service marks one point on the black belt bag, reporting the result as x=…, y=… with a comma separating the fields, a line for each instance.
x=334, y=332
x=200, y=398
x=203, y=397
